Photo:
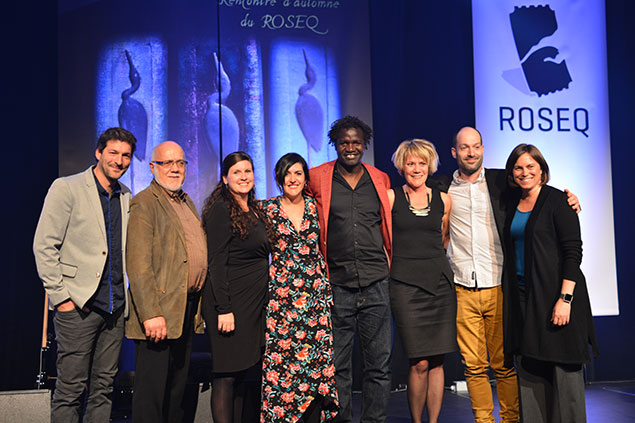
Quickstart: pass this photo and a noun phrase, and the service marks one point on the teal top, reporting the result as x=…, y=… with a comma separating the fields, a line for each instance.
x=517, y=231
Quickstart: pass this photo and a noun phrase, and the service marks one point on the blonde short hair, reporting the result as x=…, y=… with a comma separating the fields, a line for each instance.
x=418, y=148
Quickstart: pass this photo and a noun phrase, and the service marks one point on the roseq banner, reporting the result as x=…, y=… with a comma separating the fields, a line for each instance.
x=540, y=77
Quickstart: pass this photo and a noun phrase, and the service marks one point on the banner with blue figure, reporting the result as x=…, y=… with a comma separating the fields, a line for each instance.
x=540, y=80
x=265, y=77
x=136, y=71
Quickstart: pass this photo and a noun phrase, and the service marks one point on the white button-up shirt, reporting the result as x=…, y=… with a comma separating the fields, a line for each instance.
x=475, y=250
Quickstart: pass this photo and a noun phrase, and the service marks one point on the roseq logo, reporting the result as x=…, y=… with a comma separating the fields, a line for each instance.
x=544, y=76
x=530, y=25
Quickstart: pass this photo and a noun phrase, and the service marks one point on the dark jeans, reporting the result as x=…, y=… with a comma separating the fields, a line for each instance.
x=161, y=370
x=366, y=310
x=88, y=346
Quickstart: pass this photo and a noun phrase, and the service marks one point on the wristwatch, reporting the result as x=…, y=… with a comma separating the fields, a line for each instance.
x=567, y=298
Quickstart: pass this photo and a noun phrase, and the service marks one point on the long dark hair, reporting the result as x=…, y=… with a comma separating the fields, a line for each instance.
x=241, y=221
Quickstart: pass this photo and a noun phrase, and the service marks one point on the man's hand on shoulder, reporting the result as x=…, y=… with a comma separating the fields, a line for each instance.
x=573, y=201
x=156, y=329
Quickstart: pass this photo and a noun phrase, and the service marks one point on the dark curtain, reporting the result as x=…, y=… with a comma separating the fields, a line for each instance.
x=422, y=86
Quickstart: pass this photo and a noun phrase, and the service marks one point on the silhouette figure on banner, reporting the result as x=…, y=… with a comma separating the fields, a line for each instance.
x=132, y=115
x=220, y=122
x=308, y=110
x=530, y=25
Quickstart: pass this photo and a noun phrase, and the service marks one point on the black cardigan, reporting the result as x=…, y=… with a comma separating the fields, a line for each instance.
x=553, y=252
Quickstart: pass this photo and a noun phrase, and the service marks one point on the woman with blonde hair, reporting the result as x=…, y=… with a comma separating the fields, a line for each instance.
x=422, y=294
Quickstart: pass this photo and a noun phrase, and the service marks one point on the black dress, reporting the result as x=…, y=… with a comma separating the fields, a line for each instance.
x=238, y=270
x=422, y=293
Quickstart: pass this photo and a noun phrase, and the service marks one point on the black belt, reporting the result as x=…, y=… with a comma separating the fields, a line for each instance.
x=473, y=288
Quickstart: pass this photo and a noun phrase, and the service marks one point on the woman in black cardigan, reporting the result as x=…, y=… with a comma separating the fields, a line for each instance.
x=547, y=315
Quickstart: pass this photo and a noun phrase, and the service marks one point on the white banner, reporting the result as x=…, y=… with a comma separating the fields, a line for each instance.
x=540, y=77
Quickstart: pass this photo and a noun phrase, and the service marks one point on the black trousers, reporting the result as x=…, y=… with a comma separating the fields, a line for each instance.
x=161, y=370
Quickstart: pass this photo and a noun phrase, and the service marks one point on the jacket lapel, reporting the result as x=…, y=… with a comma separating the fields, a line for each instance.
x=531, y=222
x=496, y=186
x=162, y=198
x=386, y=212
x=326, y=187
x=93, y=200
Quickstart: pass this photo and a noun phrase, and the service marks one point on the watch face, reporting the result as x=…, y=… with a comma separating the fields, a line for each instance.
x=566, y=297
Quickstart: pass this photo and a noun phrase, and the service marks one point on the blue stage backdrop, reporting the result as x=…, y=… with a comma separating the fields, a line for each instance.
x=266, y=77
x=540, y=79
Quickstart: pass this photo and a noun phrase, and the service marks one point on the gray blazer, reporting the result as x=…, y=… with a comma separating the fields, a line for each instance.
x=70, y=244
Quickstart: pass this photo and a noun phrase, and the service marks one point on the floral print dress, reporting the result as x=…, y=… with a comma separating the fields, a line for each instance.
x=298, y=359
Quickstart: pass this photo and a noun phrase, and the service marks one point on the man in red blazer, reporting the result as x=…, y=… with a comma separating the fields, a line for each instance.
x=356, y=235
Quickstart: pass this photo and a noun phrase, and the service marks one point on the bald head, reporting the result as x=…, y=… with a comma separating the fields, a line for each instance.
x=467, y=134
x=468, y=152
x=168, y=165
x=166, y=148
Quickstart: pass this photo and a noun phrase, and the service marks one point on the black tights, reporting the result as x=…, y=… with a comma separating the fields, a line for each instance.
x=228, y=393
x=314, y=411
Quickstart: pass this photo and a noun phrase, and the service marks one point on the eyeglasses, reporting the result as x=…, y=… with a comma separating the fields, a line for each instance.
x=168, y=163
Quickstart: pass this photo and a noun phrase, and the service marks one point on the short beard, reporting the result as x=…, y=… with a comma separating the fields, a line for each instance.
x=165, y=187
x=471, y=171
x=106, y=171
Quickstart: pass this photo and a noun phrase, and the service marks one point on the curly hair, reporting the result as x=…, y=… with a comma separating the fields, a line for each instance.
x=241, y=221
x=350, y=122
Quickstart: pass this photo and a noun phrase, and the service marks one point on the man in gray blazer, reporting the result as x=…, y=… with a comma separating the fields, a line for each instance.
x=79, y=248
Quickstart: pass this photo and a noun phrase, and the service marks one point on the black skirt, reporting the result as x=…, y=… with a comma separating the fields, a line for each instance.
x=426, y=323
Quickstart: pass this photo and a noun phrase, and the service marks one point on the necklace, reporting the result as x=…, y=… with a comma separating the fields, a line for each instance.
x=424, y=211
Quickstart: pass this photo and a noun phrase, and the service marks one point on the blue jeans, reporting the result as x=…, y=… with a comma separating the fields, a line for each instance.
x=366, y=310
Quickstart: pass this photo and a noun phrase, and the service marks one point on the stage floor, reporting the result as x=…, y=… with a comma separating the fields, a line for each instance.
x=606, y=402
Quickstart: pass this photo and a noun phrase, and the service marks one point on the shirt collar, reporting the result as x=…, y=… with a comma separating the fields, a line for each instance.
x=341, y=177
x=178, y=196
x=116, y=188
x=456, y=178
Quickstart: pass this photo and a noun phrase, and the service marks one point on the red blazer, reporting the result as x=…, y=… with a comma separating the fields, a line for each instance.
x=320, y=186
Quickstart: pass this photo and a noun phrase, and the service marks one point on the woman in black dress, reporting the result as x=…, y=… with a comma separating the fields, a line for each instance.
x=422, y=295
x=547, y=314
x=234, y=297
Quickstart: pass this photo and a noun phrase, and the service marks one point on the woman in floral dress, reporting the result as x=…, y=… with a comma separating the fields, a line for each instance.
x=298, y=371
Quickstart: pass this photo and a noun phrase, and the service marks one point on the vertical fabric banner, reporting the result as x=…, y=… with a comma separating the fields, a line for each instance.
x=266, y=77
x=540, y=77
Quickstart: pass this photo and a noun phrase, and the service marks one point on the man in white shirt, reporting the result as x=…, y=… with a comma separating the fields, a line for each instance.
x=476, y=257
